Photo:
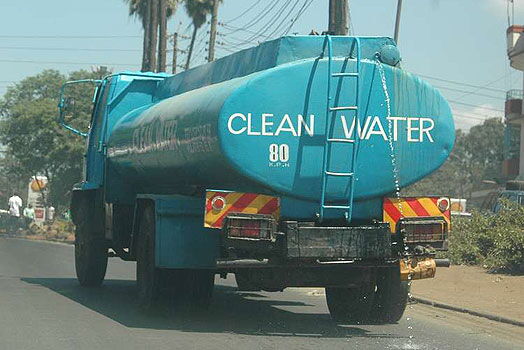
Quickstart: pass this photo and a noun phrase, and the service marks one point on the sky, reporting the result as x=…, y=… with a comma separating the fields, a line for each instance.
x=459, y=46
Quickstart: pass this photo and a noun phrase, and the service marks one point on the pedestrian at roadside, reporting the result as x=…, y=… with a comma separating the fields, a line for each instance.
x=15, y=203
x=29, y=214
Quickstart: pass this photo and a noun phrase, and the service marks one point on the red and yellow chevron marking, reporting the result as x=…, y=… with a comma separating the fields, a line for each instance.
x=406, y=207
x=238, y=202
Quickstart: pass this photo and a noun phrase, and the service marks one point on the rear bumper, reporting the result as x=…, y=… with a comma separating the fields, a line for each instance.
x=307, y=242
x=361, y=242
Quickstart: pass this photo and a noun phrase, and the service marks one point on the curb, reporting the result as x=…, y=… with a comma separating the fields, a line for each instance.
x=39, y=239
x=469, y=311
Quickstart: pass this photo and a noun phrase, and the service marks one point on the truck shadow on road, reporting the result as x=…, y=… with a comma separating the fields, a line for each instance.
x=230, y=312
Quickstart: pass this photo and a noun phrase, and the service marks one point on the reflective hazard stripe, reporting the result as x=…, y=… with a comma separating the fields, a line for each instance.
x=238, y=202
x=405, y=207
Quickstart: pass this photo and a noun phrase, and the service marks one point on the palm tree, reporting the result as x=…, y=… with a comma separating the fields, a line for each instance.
x=141, y=9
x=151, y=15
x=153, y=33
x=197, y=10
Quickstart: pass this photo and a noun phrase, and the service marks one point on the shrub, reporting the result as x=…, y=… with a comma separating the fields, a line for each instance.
x=492, y=240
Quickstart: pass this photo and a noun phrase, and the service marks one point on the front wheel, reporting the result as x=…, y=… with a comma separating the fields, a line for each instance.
x=90, y=246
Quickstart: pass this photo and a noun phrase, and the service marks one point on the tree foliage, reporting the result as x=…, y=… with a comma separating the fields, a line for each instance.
x=494, y=241
x=477, y=156
x=152, y=14
x=35, y=143
x=197, y=10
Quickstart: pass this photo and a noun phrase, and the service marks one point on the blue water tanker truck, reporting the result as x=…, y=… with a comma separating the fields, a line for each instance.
x=281, y=164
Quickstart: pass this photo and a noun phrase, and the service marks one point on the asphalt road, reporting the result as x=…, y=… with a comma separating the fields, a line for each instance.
x=43, y=307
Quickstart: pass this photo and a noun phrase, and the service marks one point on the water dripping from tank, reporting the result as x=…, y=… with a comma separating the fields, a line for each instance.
x=390, y=133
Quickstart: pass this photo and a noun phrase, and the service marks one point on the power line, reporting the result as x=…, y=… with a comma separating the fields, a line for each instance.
x=461, y=83
x=68, y=36
x=469, y=92
x=465, y=116
x=260, y=16
x=269, y=23
x=62, y=62
x=300, y=12
x=63, y=49
x=477, y=106
x=236, y=29
x=283, y=20
x=246, y=11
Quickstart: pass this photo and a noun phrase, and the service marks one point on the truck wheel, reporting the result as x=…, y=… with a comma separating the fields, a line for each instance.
x=90, y=246
x=193, y=289
x=147, y=275
x=245, y=282
x=351, y=305
x=202, y=283
x=391, y=296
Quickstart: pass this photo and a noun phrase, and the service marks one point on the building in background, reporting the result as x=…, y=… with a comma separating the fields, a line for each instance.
x=514, y=115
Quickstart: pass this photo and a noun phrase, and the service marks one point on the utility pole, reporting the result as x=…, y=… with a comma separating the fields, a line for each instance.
x=213, y=32
x=397, y=22
x=338, y=17
x=175, y=52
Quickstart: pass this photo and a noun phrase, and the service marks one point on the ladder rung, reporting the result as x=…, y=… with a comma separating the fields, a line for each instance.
x=338, y=174
x=336, y=207
x=335, y=75
x=342, y=140
x=343, y=108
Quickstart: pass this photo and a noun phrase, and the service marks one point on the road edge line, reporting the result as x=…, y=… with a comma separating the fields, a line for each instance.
x=489, y=316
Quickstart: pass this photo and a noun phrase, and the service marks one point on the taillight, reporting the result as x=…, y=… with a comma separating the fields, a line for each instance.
x=243, y=228
x=424, y=232
x=250, y=226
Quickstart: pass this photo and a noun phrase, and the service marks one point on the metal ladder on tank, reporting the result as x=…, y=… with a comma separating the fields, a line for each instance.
x=331, y=114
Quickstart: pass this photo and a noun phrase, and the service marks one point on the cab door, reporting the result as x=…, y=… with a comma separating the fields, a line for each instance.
x=96, y=143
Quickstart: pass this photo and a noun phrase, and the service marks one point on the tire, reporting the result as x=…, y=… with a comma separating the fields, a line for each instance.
x=90, y=245
x=245, y=282
x=147, y=275
x=202, y=284
x=350, y=305
x=391, y=296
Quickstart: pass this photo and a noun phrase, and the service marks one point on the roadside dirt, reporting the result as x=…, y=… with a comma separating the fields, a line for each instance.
x=474, y=288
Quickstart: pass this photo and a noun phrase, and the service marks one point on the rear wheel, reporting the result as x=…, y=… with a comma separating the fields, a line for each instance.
x=391, y=296
x=245, y=283
x=351, y=305
x=201, y=284
x=147, y=275
x=90, y=245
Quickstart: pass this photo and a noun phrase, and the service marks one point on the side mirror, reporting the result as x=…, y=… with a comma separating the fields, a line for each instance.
x=73, y=105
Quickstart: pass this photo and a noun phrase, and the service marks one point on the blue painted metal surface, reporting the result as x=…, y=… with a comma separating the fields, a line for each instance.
x=181, y=240
x=254, y=121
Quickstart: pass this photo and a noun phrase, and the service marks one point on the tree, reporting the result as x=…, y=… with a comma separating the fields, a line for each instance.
x=153, y=33
x=142, y=10
x=197, y=10
x=35, y=143
x=476, y=156
x=152, y=14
